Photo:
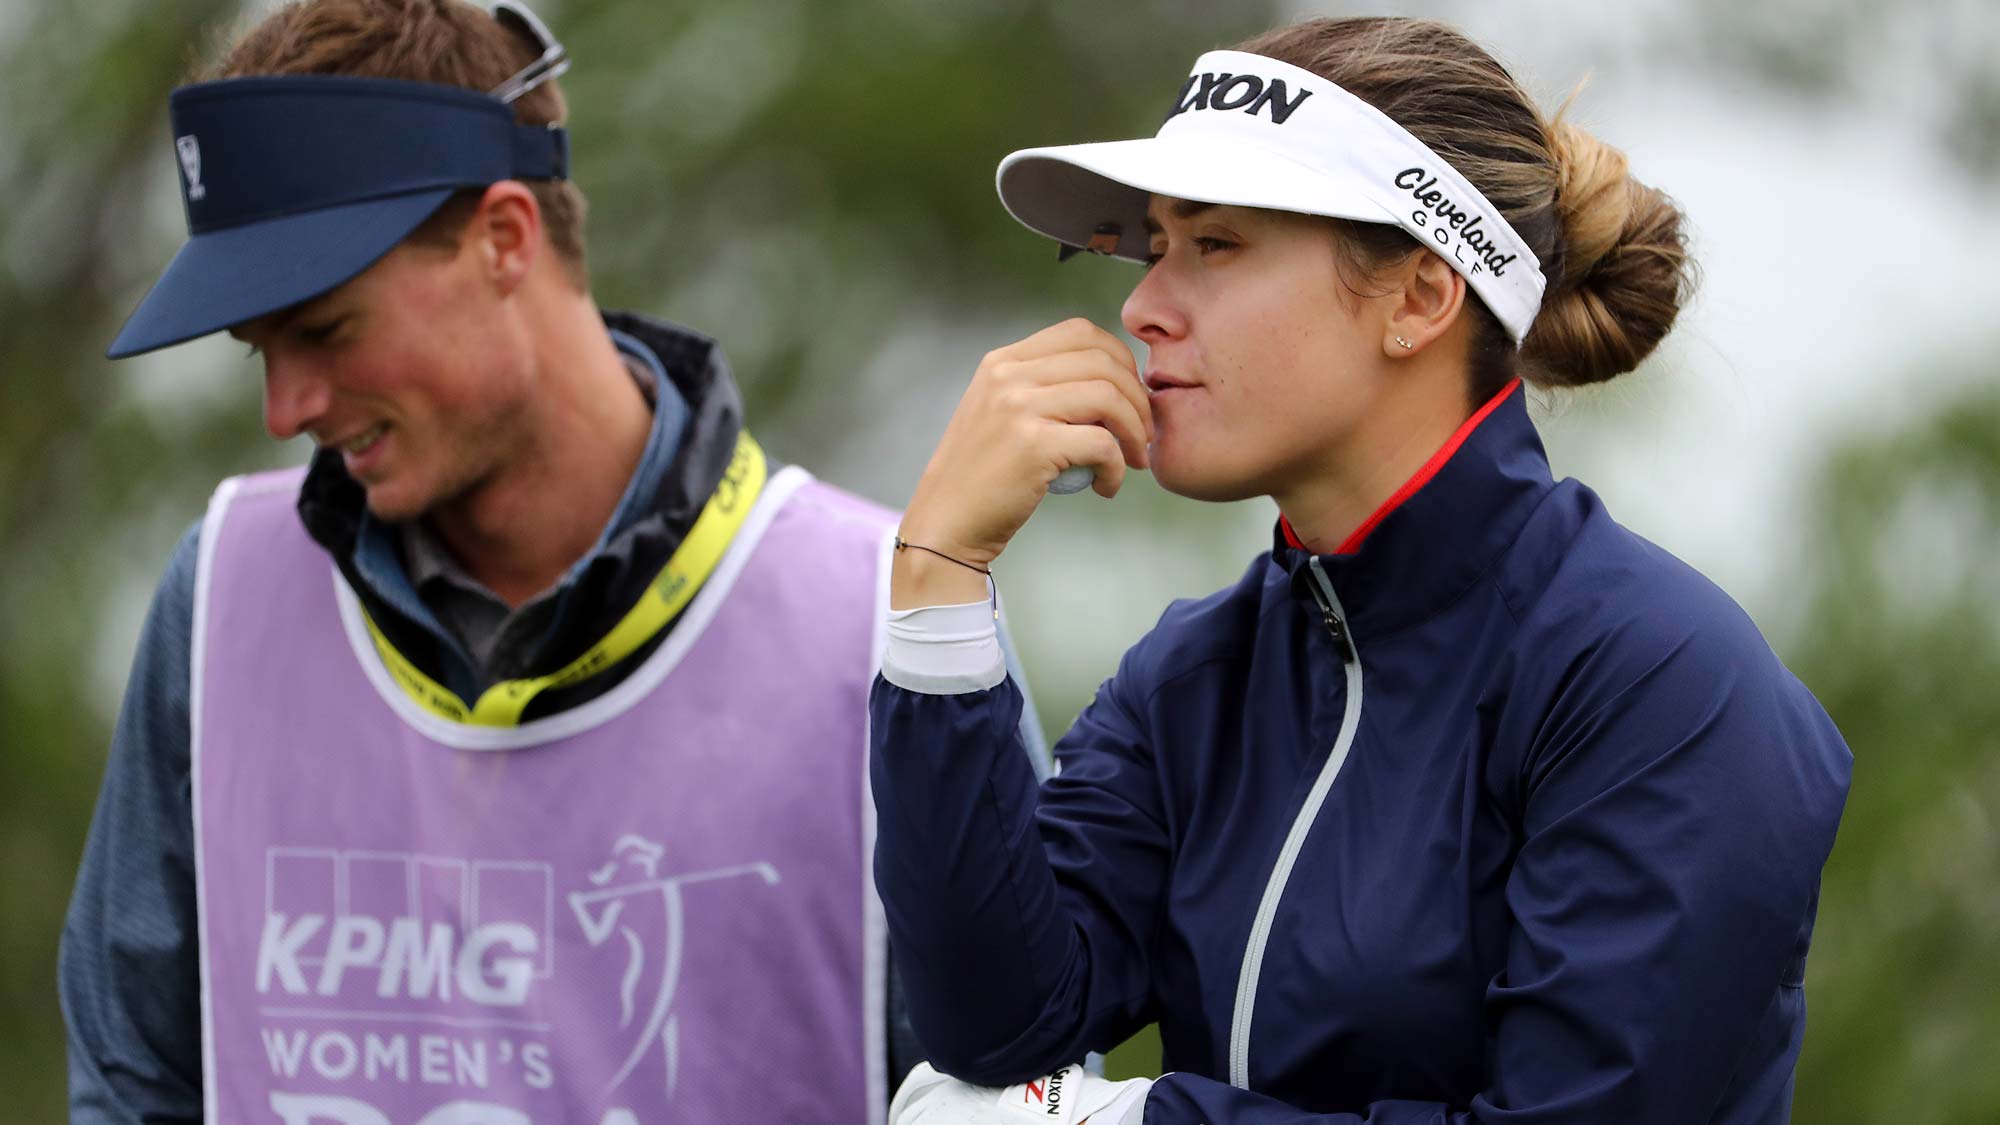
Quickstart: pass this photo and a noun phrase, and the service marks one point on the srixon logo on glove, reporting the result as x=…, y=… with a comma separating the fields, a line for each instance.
x=1043, y=1099
x=1069, y=1096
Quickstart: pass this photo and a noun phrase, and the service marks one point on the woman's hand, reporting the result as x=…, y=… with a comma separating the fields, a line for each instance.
x=1068, y=395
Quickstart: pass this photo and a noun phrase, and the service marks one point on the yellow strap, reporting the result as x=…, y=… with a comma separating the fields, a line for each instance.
x=501, y=705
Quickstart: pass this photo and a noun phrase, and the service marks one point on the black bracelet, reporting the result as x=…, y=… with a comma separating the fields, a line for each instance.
x=991, y=585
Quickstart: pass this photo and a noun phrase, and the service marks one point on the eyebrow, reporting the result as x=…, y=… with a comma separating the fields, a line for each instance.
x=1182, y=209
x=279, y=320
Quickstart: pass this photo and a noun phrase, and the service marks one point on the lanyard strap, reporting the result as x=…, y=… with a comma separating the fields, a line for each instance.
x=501, y=705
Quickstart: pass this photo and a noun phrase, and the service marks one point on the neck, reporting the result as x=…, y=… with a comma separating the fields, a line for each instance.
x=1401, y=433
x=521, y=530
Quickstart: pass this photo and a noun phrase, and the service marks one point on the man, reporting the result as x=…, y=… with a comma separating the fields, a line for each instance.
x=507, y=763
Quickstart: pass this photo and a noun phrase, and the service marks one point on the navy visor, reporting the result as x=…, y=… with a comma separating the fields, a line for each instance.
x=293, y=185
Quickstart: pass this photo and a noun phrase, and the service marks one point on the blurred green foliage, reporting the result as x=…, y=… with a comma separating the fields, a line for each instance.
x=808, y=181
x=1902, y=645
x=82, y=470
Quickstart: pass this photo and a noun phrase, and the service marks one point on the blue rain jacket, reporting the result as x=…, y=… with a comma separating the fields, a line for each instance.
x=1507, y=816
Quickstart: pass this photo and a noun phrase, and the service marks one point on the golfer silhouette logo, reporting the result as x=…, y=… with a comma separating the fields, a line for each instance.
x=190, y=153
x=644, y=910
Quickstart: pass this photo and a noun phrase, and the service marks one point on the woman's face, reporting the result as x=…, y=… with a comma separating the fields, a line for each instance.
x=1261, y=362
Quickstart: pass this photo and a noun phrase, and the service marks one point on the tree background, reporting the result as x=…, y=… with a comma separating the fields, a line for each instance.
x=812, y=182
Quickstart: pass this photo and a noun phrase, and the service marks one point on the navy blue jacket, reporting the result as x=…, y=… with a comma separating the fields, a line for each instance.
x=1508, y=816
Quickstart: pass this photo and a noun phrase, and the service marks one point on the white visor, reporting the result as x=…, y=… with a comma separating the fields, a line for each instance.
x=1251, y=131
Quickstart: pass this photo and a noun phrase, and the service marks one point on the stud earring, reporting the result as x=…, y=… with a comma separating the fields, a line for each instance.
x=1406, y=345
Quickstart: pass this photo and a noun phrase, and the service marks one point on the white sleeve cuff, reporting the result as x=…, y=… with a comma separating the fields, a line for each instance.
x=944, y=649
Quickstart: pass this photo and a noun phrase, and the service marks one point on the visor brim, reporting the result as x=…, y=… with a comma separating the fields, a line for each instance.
x=225, y=277
x=1066, y=191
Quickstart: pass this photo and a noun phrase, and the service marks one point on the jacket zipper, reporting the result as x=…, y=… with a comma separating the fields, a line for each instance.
x=1329, y=608
x=1274, y=890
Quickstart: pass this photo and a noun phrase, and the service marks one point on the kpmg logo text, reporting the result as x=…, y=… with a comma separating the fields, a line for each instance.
x=397, y=927
x=403, y=957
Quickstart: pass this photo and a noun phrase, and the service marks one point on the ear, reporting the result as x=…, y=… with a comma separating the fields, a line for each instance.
x=1423, y=305
x=506, y=231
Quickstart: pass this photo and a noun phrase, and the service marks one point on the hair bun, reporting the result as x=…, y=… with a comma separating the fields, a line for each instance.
x=1623, y=269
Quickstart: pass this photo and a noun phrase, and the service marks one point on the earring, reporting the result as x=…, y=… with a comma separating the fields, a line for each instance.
x=1404, y=343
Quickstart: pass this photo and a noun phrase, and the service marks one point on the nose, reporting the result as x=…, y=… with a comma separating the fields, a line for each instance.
x=295, y=397
x=1154, y=313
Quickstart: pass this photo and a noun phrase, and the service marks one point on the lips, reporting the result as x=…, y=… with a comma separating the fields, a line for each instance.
x=360, y=443
x=361, y=449
x=1157, y=381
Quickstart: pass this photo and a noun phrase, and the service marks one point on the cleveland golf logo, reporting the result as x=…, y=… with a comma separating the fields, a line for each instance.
x=1455, y=228
x=1246, y=92
x=190, y=154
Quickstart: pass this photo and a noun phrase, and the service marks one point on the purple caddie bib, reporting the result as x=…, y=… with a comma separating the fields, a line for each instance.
x=654, y=907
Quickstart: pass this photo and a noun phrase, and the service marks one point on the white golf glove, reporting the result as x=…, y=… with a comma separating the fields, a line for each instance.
x=1070, y=1096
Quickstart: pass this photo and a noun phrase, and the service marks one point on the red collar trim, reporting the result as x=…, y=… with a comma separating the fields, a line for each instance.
x=1423, y=477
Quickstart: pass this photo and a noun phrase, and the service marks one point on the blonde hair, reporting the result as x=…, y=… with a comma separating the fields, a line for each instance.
x=450, y=42
x=1613, y=249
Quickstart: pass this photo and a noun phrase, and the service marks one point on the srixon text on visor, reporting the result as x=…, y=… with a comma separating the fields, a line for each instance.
x=1451, y=218
x=1246, y=92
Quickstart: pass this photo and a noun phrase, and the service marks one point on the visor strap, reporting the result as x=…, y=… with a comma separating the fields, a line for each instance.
x=541, y=152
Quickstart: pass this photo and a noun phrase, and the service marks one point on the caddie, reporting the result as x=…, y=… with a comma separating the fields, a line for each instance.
x=507, y=763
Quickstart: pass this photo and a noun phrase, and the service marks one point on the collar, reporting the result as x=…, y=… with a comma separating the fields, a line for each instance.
x=660, y=505
x=425, y=557
x=1442, y=530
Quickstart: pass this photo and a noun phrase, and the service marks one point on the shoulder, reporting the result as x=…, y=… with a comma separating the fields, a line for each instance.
x=155, y=707
x=802, y=526
x=1617, y=634
x=1588, y=583
x=278, y=487
x=169, y=630
x=270, y=499
x=1197, y=633
x=172, y=615
x=833, y=510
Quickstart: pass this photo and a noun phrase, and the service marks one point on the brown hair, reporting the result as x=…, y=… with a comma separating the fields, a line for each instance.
x=1613, y=250
x=450, y=42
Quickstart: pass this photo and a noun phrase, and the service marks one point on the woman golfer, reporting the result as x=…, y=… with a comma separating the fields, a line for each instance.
x=1465, y=804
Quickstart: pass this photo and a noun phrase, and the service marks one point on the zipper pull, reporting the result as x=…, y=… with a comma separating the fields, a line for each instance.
x=1329, y=608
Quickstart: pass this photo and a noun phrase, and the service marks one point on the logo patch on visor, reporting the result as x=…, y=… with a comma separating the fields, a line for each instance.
x=190, y=153
x=1451, y=230
x=1246, y=92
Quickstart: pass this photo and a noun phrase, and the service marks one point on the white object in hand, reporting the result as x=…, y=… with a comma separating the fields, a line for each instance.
x=1076, y=478
x=1069, y=1096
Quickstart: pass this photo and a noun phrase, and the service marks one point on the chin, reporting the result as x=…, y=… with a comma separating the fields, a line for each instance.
x=1199, y=479
x=389, y=505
